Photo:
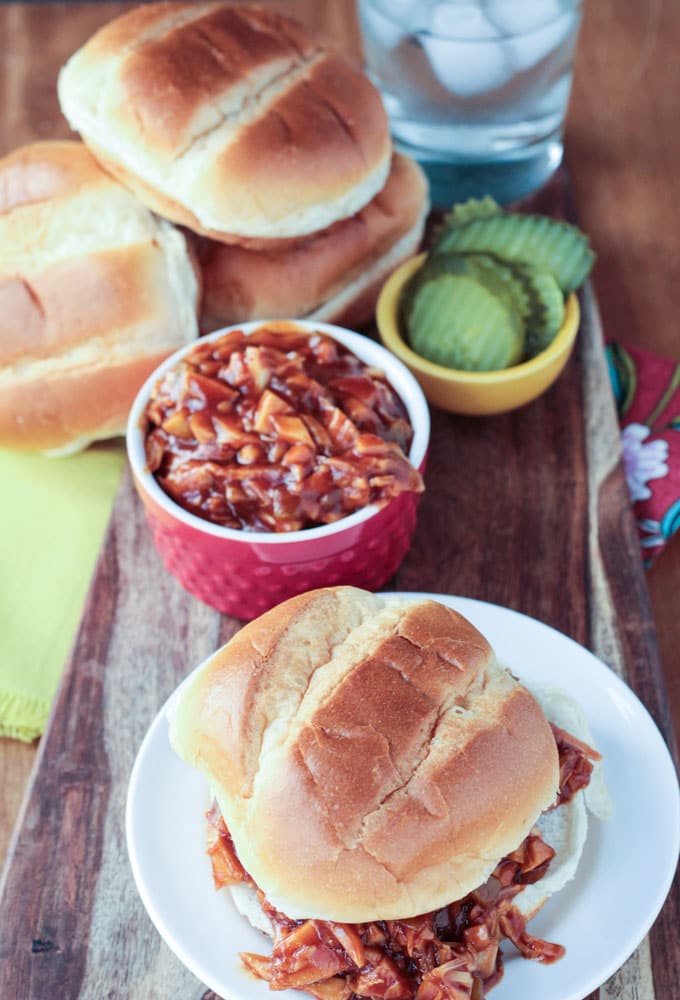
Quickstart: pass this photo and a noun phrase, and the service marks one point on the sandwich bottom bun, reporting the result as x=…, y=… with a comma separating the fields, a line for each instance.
x=371, y=758
x=95, y=292
x=565, y=828
x=332, y=276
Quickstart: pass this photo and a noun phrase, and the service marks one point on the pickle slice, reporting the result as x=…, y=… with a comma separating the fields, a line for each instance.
x=546, y=309
x=497, y=276
x=535, y=239
x=468, y=211
x=457, y=322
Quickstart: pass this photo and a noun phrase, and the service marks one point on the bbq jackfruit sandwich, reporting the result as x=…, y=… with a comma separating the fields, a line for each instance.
x=390, y=803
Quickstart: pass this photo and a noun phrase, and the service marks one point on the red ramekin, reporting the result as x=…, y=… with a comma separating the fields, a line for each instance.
x=244, y=573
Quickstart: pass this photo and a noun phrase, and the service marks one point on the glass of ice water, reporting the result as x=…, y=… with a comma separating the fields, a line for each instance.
x=476, y=90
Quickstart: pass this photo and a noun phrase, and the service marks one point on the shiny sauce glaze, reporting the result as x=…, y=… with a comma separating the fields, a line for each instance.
x=277, y=430
x=453, y=953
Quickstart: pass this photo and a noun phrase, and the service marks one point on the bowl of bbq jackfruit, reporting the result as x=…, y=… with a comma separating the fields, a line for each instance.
x=487, y=318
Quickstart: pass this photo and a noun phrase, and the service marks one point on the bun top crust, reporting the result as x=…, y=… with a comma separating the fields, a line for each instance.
x=232, y=120
x=42, y=171
x=94, y=292
x=81, y=257
x=370, y=757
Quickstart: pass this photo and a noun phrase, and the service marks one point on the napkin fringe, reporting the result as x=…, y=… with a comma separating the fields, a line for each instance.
x=31, y=711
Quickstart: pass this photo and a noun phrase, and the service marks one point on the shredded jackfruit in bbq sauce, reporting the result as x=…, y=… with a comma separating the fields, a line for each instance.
x=279, y=430
x=449, y=954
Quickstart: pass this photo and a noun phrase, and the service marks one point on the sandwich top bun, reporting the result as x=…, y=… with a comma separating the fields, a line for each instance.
x=333, y=276
x=231, y=120
x=565, y=829
x=94, y=292
x=370, y=757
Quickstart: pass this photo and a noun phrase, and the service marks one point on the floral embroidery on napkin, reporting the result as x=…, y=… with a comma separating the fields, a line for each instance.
x=647, y=393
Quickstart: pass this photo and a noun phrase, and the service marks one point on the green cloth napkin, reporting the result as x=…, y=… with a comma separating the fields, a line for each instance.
x=54, y=513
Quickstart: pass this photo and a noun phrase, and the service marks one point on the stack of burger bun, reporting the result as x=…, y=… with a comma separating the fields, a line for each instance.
x=267, y=145
x=232, y=167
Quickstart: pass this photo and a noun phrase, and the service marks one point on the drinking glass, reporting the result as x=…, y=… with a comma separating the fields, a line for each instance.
x=476, y=90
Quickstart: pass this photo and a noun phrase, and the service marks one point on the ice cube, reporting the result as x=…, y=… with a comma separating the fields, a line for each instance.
x=393, y=19
x=465, y=51
x=396, y=59
x=456, y=20
x=514, y=17
x=469, y=69
x=530, y=49
x=416, y=15
x=378, y=29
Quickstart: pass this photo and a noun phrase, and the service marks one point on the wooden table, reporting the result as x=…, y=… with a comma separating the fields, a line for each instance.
x=622, y=155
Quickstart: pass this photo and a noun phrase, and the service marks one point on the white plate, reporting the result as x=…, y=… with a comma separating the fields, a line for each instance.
x=601, y=916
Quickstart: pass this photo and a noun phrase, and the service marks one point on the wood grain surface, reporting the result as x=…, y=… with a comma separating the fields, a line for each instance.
x=623, y=150
x=528, y=510
x=81, y=931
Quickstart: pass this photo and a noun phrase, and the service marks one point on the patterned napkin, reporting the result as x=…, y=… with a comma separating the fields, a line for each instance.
x=647, y=392
x=55, y=512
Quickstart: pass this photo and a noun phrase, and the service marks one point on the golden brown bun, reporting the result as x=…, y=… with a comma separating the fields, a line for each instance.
x=333, y=275
x=94, y=292
x=564, y=828
x=371, y=758
x=230, y=120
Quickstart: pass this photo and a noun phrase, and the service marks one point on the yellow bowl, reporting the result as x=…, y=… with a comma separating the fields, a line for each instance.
x=474, y=393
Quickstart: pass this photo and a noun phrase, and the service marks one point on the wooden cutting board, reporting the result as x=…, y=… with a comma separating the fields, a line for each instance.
x=528, y=510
